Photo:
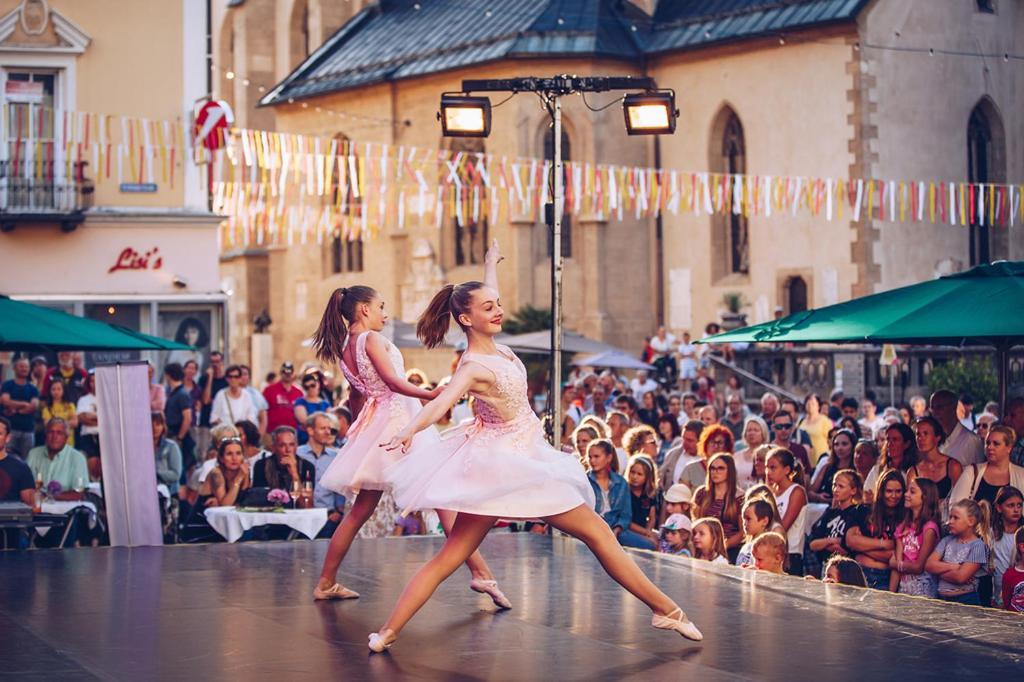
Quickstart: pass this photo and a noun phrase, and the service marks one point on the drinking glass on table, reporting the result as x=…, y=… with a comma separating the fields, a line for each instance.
x=79, y=485
x=294, y=492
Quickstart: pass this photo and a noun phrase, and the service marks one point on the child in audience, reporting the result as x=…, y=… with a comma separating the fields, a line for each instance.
x=960, y=558
x=916, y=538
x=678, y=500
x=1013, y=577
x=757, y=517
x=1005, y=523
x=782, y=473
x=770, y=551
x=709, y=541
x=828, y=534
x=874, y=543
x=675, y=535
x=844, y=571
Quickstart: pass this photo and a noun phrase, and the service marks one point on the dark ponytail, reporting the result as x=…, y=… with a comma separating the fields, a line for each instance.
x=329, y=339
x=450, y=301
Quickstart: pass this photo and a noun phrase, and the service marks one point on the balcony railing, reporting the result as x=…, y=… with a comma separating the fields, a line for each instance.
x=43, y=194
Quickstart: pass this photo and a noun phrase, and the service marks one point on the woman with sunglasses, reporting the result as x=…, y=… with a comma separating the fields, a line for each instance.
x=311, y=402
x=385, y=401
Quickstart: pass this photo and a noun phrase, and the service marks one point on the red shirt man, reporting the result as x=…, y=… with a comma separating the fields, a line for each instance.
x=281, y=397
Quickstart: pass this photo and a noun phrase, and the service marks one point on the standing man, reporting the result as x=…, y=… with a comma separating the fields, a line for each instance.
x=19, y=402
x=734, y=417
x=281, y=397
x=679, y=457
x=782, y=435
x=835, y=405
x=257, y=398
x=664, y=346
x=65, y=372
x=962, y=445
x=320, y=452
x=211, y=383
x=641, y=384
x=88, y=415
x=178, y=413
x=769, y=406
x=233, y=404
x=618, y=424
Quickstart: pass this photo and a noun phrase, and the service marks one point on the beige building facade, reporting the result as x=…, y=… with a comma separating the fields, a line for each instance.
x=834, y=99
x=142, y=254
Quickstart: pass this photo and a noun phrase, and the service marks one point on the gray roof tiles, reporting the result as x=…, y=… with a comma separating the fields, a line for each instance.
x=393, y=39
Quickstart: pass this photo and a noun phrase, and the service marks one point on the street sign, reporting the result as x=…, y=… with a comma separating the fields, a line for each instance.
x=212, y=120
x=888, y=356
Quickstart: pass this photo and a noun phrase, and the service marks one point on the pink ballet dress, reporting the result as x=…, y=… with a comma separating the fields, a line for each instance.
x=361, y=462
x=498, y=465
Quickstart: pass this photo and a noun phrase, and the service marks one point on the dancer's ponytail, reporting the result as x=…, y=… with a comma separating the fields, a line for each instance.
x=433, y=324
x=329, y=339
x=450, y=302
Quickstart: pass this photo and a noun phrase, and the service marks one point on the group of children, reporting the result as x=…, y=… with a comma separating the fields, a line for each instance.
x=896, y=543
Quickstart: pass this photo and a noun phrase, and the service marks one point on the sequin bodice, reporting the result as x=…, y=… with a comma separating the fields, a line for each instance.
x=368, y=381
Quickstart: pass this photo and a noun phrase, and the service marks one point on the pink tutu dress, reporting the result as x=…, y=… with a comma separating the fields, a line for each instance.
x=498, y=465
x=361, y=462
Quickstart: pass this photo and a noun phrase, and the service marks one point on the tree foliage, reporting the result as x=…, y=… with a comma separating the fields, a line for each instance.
x=527, y=319
x=976, y=376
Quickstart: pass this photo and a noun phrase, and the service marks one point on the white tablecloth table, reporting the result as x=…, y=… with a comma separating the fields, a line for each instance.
x=64, y=507
x=232, y=523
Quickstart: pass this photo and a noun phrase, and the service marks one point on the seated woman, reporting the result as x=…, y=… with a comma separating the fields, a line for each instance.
x=755, y=434
x=720, y=499
x=168, y=454
x=874, y=542
x=229, y=479
x=610, y=490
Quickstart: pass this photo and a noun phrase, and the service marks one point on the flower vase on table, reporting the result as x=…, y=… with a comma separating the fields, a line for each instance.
x=279, y=498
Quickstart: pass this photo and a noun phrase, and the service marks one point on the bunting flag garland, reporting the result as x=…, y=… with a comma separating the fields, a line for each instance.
x=286, y=188
x=283, y=188
x=51, y=146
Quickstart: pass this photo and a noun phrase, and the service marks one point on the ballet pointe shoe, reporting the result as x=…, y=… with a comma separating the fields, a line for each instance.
x=490, y=588
x=335, y=591
x=379, y=642
x=677, y=620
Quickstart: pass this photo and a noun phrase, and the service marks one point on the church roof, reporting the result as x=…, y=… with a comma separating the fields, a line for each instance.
x=397, y=39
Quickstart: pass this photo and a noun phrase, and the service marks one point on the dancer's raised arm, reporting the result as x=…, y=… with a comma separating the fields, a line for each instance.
x=377, y=351
x=469, y=376
x=491, y=260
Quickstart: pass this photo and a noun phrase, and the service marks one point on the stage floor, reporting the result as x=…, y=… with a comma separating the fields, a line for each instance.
x=244, y=612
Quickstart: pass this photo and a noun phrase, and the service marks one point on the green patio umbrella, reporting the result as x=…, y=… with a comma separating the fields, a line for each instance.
x=979, y=307
x=28, y=327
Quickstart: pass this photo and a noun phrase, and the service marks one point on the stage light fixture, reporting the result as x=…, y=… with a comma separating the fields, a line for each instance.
x=465, y=116
x=650, y=113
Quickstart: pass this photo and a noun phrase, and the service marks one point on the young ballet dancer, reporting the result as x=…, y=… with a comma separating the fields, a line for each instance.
x=500, y=466
x=349, y=334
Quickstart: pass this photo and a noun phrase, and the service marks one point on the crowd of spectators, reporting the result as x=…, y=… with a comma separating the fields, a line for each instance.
x=923, y=498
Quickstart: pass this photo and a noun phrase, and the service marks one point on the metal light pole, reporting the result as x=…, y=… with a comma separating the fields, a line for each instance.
x=555, y=389
x=551, y=90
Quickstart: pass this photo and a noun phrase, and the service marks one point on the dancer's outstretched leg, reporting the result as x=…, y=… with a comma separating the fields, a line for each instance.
x=466, y=535
x=483, y=580
x=341, y=540
x=584, y=524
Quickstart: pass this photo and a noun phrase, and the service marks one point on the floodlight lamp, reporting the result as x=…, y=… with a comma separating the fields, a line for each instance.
x=650, y=113
x=465, y=116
